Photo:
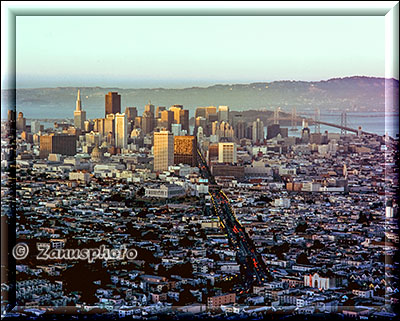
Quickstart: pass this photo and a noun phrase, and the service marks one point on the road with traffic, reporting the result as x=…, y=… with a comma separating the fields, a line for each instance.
x=255, y=270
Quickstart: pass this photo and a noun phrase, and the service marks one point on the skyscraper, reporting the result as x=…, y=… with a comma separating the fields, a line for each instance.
x=159, y=109
x=147, y=122
x=176, y=110
x=258, y=131
x=150, y=108
x=57, y=144
x=211, y=114
x=185, y=150
x=21, y=122
x=113, y=103
x=176, y=129
x=200, y=122
x=273, y=130
x=223, y=113
x=200, y=112
x=206, y=112
x=163, y=150
x=227, y=153
x=79, y=114
x=184, y=119
x=99, y=126
x=131, y=114
x=167, y=119
x=225, y=130
x=121, y=131
x=305, y=135
x=138, y=122
x=109, y=125
x=200, y=134
x=35, y=126
x=240, y=130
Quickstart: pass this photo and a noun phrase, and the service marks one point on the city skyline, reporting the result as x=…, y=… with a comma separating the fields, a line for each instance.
x=175, y=52
x=231, y=163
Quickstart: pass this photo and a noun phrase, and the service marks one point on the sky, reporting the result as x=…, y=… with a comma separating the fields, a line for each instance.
x=178, y=52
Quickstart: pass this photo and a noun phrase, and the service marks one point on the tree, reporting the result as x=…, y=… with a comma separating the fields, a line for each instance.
x=317, y=245
x=301, y=227
x=362, y=219
x=302, y=259
x=140, y=191
x=185, y=270
x=162, y=271
x=185, y=297
x=185, y=242
x=73, y=279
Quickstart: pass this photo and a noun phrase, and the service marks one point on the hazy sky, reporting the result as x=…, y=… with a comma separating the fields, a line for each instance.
x=186, y=51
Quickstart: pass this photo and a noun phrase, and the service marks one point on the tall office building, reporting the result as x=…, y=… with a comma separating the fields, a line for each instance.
x=131, y=114
x=316, y=138
x=273, y=130
x=181, y=116
x=113, y=103
x=63, y=144
x=205, y=112
x=225, y=130
x=223, y=113
x=200, y=134
x=35, y=126
x=121, y=131
x=150, y=108
x=159, y=109
x=79, y=114
x=167, y=119
x=21, y=122
x=176, y=110
x=249, y=131
x=11, y=115
x=184, y=119
x=147, y=122
x=284, y=131
x=88, y=125
x=109, y=125
x=185, y=150
x=258, y=131
x=227, y=153
x=138, y=122
x=176, y=129
x=163, y=150
x=305, y=135
x=240, y=130
x=200, y=122
x=200, y=112
x=99, y=126
x=211, y=114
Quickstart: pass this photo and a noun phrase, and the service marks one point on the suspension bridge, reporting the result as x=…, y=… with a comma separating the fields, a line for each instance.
x=316, y=122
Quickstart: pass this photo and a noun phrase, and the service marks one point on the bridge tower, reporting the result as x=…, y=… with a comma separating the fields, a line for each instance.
x=343, y=123
x=294, y=119
x=276, y=115
x=317, y=118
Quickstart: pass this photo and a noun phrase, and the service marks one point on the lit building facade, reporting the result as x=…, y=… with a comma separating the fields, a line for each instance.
x=185, y=150
x=227, y=153
x=121, y=131
x=112, y=103
x=79, y=114
x=163, y=150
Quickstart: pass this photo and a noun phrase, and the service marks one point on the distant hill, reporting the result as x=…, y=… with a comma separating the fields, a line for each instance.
x=350, y=93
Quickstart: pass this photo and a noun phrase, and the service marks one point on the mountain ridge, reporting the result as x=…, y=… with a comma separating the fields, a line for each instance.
x=356, y=93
